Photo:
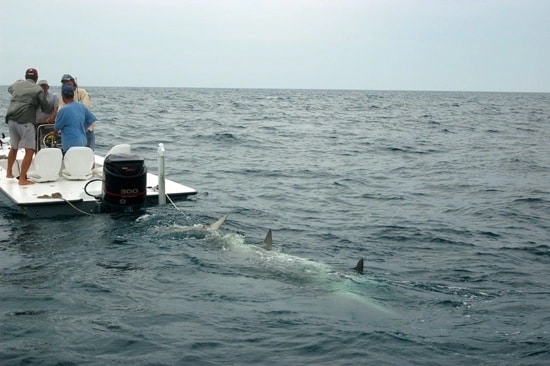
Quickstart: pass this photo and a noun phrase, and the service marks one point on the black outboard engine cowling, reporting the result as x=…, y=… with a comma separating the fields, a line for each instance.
x=124, y=183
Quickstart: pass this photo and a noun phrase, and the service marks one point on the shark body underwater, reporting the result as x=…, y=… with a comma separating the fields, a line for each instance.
x=268, y=245
x=265, y=260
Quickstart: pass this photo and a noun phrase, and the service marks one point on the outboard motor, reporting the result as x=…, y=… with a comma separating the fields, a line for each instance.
x=124, y=183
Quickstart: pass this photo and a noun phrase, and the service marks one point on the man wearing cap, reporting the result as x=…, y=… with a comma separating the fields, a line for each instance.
x=42, y=117
x=72, y=120
x=82, y=96
x=26, y=98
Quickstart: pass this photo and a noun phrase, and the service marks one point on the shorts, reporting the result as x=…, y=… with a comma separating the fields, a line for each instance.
x=22, y=135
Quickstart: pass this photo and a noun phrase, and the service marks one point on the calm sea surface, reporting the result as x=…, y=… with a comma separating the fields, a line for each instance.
x=445, y=195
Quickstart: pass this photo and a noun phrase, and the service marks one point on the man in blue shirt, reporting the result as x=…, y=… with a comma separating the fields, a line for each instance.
x=72, y=120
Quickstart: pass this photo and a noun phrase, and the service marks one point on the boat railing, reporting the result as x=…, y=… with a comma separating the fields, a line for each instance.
x=47, y=137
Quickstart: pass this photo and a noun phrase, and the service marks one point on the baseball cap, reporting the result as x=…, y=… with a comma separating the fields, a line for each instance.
x=66, y=77
x=67, y=91
x=31, y=73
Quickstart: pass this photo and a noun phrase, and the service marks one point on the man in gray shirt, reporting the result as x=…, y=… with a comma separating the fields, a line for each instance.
x=53, y=98
x=26, y=98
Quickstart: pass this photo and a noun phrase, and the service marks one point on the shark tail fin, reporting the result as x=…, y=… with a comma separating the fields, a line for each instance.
x=268, y=241
x=359, y=266
x=218, y=224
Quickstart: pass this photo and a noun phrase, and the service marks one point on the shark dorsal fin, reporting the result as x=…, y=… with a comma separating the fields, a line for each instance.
x=268, y=241
x=218, y=224
x=359, y=266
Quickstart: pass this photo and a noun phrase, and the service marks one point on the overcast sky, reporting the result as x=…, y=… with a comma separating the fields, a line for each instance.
x=462, y=45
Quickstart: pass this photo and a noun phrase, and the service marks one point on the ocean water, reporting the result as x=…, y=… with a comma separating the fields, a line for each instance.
x=446, y=196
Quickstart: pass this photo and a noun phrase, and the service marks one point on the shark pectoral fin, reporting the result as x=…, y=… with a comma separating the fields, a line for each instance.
x=218, y=224
x=359, y=266
x=268, y=241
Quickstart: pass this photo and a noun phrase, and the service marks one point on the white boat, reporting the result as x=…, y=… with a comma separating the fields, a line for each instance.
x=82, y=183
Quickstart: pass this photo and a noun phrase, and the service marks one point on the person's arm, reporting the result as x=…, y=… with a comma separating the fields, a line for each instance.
x=84, y=97
x=43, y=102
x=51, y=118
x=89, y=120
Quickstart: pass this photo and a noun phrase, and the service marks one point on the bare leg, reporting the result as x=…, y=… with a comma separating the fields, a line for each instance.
x=25, y=165
x=12, y=155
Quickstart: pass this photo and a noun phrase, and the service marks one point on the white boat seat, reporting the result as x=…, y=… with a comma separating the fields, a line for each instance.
x=46, y=165
x=78, y=163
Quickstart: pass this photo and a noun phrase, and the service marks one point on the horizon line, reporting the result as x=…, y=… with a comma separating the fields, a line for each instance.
x=311, y=89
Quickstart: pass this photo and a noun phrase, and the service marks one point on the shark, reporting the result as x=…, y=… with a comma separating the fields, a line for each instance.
x=268, y=245
x=216, y=225
x=236, y=244
x=264, y=260
x=197, y=230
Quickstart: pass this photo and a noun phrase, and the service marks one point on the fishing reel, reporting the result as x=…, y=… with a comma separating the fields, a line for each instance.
x=51, y=139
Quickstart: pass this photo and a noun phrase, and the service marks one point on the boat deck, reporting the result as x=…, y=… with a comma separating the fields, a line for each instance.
x=71, y=197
